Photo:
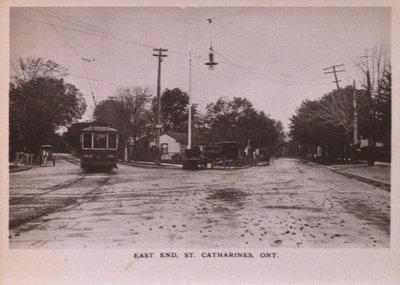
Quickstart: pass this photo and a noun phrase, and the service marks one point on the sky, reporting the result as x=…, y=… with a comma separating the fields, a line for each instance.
x=272, y=56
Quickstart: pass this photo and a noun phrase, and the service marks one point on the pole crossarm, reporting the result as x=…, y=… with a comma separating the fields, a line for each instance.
x=334, y=71
x=338, y=65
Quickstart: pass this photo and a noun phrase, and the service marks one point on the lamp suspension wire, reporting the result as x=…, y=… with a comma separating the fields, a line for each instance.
x=210, y=32
x=211, y=63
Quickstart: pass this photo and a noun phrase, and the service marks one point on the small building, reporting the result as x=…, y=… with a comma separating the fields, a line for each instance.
x=174, y=144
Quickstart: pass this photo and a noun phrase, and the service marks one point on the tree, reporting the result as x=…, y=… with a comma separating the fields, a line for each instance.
x=72, y=135
x=30, y=68
x=40, y=102
x=174, y=110
x=375, y=73
x=126, y=112
x=306, y=129
x=329, y=122
x=336, y=110
x=225, y=119
x=238, y=120
x=384, y=109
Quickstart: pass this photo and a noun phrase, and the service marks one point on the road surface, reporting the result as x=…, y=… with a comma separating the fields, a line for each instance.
x=290, y=204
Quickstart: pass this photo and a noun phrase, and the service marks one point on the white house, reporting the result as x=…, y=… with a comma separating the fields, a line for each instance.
x=175, y=143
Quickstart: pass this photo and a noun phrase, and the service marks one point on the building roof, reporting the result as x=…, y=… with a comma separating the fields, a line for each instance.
x=182, y=138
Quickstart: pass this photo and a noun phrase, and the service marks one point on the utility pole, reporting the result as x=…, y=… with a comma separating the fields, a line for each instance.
x=355, y=119
x=371, y=119
x=160, y=55
x=353, y=150
x=190, y=103
x=334, y=71
x=371, y=143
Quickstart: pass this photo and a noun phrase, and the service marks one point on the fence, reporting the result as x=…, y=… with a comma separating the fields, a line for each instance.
x=23, y=158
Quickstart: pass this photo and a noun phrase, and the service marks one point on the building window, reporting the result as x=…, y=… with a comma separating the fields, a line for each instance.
x=164, y=148
x=87, y=140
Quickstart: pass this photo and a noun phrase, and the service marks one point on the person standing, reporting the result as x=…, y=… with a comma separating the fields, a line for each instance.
x=255, y=157
x=45, y=156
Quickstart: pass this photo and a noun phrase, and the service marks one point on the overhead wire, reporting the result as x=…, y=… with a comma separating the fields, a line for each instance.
x=128, y=41
x=103, y=33
x=241, y=11
x=283, y=81
x=60, y=34
x=85, y=32
x=75, y=50
x=94, y=79
x=93, y=28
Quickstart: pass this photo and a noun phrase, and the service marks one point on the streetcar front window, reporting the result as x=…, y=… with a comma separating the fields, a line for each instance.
x=87, y=140
x=100, y=141
x=112, y=141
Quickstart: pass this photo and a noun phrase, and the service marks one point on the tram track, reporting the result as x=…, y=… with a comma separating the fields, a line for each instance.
x=63, y=185
x=25, y=213
x=54, y=188
x=74, y=161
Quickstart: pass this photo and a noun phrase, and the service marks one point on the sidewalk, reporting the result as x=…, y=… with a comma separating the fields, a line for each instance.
x=19, y=167
x=378, y=175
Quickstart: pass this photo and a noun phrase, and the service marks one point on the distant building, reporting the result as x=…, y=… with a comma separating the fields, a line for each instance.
x=174, y=144
x=364, y=143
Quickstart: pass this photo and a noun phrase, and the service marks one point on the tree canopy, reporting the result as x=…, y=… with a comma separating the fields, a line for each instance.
x=126, y=111
x=329, y=121
x=237, y=120
x=71, y=136
x=174, y=110
x=41, y=102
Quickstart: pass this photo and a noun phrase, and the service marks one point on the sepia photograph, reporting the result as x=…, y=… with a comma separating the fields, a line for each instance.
x=199, y=132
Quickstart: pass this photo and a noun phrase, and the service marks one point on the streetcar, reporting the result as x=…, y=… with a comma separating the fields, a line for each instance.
x=99, y=148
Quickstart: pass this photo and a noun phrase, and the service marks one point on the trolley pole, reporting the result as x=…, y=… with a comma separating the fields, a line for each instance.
x=160, y=55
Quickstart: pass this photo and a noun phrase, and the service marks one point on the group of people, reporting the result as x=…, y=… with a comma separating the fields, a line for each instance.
x=23, y=158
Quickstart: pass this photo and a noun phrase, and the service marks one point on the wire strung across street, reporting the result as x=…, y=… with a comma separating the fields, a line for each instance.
x=93, y=30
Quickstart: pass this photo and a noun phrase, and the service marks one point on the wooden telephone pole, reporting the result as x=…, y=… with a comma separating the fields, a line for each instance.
x=355, y=120
x=160, y=56
x=190, y=103
x=334, y=71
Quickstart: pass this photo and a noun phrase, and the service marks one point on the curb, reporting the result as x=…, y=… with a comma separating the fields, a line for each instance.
x=148, y=165
x=380, y=184
x=21, y=168
x=383, y=185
